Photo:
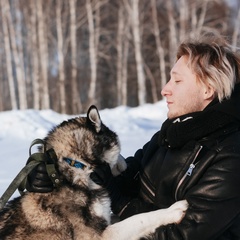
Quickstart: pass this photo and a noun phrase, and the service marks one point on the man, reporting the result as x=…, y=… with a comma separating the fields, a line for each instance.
x=196, y=154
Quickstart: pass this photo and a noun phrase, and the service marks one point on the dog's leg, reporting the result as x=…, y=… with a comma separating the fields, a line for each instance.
x=143, y=224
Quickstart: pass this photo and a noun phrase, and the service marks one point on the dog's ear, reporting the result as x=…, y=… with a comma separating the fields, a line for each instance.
x=94, y=117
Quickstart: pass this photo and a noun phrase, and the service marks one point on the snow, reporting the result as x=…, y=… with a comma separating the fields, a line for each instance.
x=134, y=126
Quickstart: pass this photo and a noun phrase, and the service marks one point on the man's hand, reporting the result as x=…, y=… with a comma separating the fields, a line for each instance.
x=102, y=176
x=39, y=181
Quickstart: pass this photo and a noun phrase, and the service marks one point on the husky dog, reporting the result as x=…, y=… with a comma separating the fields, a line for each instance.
x=79, y=208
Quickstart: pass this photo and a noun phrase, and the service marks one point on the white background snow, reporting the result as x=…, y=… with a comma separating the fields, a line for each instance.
x=135, y=126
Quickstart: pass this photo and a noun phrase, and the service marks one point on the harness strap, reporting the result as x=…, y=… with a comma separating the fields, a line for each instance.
x=48, y=157
x=17, y=182
x=36, y=158
x=37, y=141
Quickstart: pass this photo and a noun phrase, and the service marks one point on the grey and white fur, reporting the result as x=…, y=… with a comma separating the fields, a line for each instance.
x=80, y=209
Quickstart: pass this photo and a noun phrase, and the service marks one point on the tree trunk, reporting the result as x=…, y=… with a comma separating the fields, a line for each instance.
x=172, y=32
x=92, y=53
x=153, y=83
x=4, y=92
x=183, y=17
x=17, y=59
x=22, y=88
x=202, y=16
x=193, y=19
x=160, y=50
x=61, y=70
x=43, y=54
x=138, y=54
x=8, y=55
x=34, y=56
x=125, y=67
x=76, y=98
x=125, y=53
x=120, y=54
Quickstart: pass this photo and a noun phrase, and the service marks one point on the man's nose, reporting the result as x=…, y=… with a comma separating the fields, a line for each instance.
x=166, y=90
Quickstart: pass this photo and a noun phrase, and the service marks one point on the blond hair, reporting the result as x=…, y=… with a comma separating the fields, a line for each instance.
x=213, y=62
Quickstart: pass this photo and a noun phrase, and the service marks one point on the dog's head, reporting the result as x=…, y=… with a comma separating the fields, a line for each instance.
x=83, y=143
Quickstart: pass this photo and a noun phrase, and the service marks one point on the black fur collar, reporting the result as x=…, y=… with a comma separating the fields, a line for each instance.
x=198, y=125
x=195, y=126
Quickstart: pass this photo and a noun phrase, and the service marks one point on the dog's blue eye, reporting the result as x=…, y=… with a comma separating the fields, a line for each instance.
x=74, y=163
x=78, y=165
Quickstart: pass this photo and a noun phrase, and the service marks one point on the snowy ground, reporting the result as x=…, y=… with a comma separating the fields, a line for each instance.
x=135, y=126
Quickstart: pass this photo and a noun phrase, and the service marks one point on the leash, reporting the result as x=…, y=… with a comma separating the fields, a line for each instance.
x=16, y=182
x=48, y=157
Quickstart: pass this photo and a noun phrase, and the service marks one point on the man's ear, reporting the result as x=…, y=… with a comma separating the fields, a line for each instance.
x=209, y=92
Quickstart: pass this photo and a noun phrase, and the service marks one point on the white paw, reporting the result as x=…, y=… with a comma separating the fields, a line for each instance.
x=177, y=211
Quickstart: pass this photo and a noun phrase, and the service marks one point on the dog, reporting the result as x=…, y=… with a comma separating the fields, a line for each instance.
x=80, y=208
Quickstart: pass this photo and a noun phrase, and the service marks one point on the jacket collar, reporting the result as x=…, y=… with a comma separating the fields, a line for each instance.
x=194, y=126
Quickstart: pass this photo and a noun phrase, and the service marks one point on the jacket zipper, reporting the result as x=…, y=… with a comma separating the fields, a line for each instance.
x=188, y=172
x=147, y=187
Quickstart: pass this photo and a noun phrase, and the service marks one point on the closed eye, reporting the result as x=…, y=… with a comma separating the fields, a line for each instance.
x=178, y=81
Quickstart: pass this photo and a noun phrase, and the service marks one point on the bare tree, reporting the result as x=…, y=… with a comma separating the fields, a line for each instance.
x=125, y=64
x=133, y=11
x=2, y=71
x=7, y=48
x=34, y=55
x=123, y=36
x=173, y=40
x=131, y=41
x=76, y=98
x=22, y=80
x=138, y=53
x=160, y=50
x=61, y=70
x=193, y=18
x=183, y=18
x=92, y=52
x=120, y=53
x=202, y=16
x=152, y=81
x=43, y=54
x=17, y=57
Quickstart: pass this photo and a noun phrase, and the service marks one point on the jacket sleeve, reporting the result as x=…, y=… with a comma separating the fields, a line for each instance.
x=128, y=183
x=214, y=203
x=135, y=163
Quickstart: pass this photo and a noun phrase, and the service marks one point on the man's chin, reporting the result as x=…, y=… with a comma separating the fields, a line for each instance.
x=171, y=115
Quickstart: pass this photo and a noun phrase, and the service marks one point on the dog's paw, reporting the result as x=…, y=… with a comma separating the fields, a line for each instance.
x=177, y=211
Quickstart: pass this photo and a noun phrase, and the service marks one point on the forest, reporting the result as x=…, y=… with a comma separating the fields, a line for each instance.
x=65, y=55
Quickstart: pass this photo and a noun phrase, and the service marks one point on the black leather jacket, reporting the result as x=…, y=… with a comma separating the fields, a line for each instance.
x=205, y=171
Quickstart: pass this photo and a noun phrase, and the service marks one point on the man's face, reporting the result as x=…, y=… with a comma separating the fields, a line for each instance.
x=183, y=93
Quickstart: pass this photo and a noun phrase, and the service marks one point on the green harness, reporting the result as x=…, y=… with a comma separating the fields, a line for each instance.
x=48, y=157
